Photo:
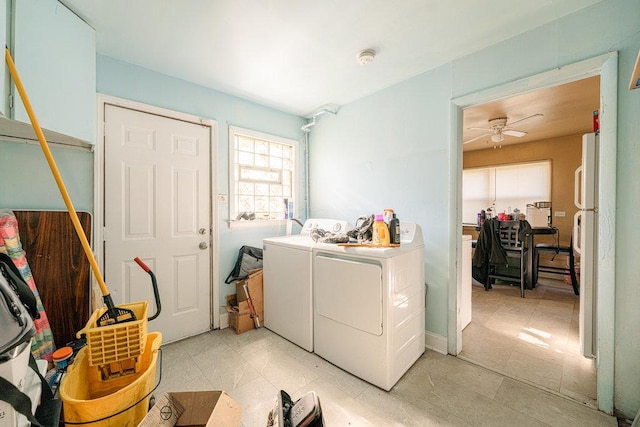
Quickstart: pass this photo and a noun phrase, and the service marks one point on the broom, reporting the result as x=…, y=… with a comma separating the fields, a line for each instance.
x=113, y=314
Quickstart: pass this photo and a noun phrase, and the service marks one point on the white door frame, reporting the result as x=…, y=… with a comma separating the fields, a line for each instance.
x=98, y=180
x=605, y=66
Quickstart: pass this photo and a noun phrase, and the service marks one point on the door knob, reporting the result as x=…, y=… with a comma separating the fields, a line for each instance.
x=203, y=245
x=202, y=231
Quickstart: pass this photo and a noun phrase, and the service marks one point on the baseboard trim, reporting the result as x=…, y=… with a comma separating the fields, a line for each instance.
x=435, y=342
x=224, y=320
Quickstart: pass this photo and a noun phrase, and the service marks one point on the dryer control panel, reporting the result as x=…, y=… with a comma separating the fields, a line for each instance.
x=331, y=225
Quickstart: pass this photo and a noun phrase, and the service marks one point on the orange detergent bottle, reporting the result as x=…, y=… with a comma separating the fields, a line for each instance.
x=380, y=232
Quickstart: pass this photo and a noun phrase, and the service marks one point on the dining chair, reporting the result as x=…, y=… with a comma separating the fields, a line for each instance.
x=557, y=249
x=515, y=252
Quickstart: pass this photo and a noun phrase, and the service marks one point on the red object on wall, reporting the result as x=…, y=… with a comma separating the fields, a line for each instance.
x=596, y=121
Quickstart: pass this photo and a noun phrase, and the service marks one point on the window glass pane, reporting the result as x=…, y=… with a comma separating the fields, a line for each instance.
x=277, y=206
x=262, y=160
x=245, y=144
x=475, y=193
x=262, y=189
x=262, y=203
x=245, y=158
x=507, y=188
x=276, y=150
x=275, y=190
x=262, y=147
x=245, y=204
x=276, y=163
x=245, y=188
x=261, y=175
x=519, y=185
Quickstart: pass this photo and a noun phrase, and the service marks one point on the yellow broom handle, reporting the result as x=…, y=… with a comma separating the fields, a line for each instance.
x=56, y=173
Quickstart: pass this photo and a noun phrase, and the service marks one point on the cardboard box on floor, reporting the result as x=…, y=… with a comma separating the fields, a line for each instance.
x=194, y=409
x=240, y=319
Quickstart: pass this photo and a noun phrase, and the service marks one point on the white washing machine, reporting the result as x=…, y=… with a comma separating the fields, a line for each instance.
x=287, y=282
x=369, y=307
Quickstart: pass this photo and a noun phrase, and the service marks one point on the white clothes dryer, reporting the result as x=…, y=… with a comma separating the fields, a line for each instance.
x=287, y=282
x=369, y=307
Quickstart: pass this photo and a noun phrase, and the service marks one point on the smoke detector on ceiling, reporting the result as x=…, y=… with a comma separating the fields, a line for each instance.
x=366, y=56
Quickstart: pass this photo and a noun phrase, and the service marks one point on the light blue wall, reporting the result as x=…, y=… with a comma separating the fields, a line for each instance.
x=393, y=149
x=124, y=80
x=28, y=183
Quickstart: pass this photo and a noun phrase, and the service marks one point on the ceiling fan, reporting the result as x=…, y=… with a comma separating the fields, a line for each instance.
x=500, y=126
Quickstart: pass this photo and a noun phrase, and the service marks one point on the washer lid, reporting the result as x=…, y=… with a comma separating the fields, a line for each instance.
x=297, y=241
x=304, y=240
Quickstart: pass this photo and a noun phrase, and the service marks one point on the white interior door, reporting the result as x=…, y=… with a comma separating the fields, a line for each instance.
x=157, y=207
x=584, y=236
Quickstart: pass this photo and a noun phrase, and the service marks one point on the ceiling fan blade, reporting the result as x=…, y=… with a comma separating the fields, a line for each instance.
x=476, y=138
x=526, y=118
x=516, y=133
x=487, y=129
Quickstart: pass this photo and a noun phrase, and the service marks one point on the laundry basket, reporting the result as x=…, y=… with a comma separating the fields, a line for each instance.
x=117, y=342
x=115, y=402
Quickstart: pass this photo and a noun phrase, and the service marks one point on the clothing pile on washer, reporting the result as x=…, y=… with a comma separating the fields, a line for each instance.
x=360, y=308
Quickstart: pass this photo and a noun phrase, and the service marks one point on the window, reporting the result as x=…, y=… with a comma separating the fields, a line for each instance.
x=262, y=181
x=504, y=188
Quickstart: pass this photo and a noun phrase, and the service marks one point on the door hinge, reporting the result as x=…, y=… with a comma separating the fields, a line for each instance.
x=11, y=102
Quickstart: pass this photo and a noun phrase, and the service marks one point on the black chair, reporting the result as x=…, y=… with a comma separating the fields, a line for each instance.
x=512, y=245
x=557, y=249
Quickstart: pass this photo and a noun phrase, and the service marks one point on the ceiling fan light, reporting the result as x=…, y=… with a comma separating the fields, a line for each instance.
x=497, y=137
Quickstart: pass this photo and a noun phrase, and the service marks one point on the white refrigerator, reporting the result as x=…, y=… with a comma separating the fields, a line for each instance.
x=585, y=227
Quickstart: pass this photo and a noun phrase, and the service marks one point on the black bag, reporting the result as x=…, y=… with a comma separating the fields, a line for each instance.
x=48, y=411
x=17, y=308
x=17, y=323
x=19, y=286
x=249, y=258
x=304, y=412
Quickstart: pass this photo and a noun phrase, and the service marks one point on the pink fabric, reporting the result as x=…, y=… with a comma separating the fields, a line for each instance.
x=43, y=345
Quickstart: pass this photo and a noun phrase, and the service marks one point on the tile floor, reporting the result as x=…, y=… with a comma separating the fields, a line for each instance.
x=534, y=339
x=438, y=390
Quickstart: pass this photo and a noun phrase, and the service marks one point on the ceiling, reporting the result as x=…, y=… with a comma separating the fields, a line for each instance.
x=300, y=55
x=557, y=111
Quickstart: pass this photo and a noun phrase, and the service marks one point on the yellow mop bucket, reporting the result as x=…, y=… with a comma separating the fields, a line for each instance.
x=120, y=341
x=117, y=342
x=120, y=401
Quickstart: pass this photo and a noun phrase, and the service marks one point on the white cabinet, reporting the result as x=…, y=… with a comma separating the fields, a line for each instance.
x=465, y=308
x=54, y=52
x=4, y=76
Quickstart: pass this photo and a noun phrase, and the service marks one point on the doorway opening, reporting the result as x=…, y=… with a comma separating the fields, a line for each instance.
x=537, y=339
x=537, y=334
